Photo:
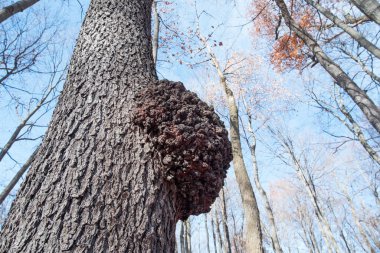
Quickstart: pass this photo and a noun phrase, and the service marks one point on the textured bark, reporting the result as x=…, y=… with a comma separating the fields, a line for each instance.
x=98, y=183
x=361, y=99
x=371, y=8
x=15, y=8
x=348, y=29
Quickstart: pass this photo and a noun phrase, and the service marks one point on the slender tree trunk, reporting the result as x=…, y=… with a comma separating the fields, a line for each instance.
x=188, y=236
x=218, y=232
x=15, y=8
x=367, y=106
x=358, y=132
x=17, y=177
x=156, y=31
x=207, y=234
x=349, y=30
x=371, y=8
x=182, y=238
x=362, y=232
x=252, y=234
x=225, y=223
x=213, y=234
x=268, y=208
x=23, y=123
x=95, y=184
x=306, y=180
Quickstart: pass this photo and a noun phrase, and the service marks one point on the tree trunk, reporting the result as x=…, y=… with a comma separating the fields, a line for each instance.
x=156, y=31
x=220, y=239
x=95, y=185
x=188, y=236
x=17, y=177
x=15, y=8
x=182, y=238
x=268, y=208
x=225, y=223
x=207, y=234
x=349, y=30
x=361, y=99
x=253, y=234
x=103, y=180
x=213, y=234
x=371, y=8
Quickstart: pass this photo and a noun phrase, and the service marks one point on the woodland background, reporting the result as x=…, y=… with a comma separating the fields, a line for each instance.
x=311, y=155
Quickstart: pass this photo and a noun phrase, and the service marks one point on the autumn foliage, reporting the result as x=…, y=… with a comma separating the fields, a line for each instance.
x=289, y=51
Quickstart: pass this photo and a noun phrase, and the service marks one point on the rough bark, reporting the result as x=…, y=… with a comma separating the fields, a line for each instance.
x=361, y=99
x=15, y=8
x=371, y=8
x=349, y=30
x=98, y=183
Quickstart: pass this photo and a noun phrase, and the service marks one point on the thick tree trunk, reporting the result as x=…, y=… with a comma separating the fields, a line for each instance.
x=111, y=174
x=96, y=185
x=15, y=8
x=371, y=8
x=361, y=99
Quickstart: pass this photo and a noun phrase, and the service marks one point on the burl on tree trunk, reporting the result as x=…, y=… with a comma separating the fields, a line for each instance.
x=125, y=155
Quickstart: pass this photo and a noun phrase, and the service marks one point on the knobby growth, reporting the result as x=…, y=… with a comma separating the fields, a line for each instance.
x=190, y=140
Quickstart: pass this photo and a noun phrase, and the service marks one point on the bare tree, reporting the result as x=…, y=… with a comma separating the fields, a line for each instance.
x=371, y=8
x=361, y=99
x=304, y=175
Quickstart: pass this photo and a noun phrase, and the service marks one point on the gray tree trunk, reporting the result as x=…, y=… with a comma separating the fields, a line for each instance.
x=348, y=29
x=4, y=194
x=225, y=223
x=15, y=8
x=371, y=8
x=98, y=183
x=207, y=234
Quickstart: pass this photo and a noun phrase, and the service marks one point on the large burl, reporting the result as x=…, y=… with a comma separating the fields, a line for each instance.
x=190, y=139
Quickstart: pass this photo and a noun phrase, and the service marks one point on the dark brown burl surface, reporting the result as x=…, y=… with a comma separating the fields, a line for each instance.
x=191, y=141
